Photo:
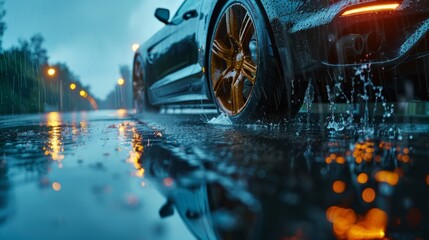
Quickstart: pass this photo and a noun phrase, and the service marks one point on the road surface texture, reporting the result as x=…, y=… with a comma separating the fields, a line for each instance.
x=115, y=175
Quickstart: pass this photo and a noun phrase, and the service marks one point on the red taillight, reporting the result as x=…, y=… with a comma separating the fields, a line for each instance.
x=371, y=8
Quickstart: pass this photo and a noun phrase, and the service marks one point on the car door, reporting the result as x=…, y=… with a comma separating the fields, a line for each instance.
x=173, y=57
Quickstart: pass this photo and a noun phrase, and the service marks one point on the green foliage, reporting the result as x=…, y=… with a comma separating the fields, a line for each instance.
x=25, y=86
x=39, y=54
x=20, y=85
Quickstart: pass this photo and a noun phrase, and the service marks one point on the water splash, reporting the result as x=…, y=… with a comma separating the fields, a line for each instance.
x=366, y=123
x=222, y=119
x=364, y=74
x=333, y=123
x=309, y=97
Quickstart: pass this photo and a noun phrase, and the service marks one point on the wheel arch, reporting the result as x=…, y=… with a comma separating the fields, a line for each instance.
x=140, y=87
x=137, y=57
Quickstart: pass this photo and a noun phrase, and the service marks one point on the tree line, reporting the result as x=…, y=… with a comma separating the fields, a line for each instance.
x=26, y=86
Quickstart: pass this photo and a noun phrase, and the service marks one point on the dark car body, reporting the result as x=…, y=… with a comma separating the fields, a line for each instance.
x=310, y=39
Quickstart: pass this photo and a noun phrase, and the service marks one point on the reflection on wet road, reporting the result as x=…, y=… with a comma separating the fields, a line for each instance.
x=108, y=176
x=65, y=176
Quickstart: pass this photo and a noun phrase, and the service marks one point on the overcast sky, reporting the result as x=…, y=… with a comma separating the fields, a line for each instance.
x=93, y=37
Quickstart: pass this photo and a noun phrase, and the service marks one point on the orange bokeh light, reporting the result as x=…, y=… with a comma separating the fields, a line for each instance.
x=56, y=186
x=368, y=195
x=362, y=178
x=347, y=224
x=405, y=158
x=363, y=232
x=376, y=218
x=341, y=160
x=339, y=186
x=364, y=152
x=388, y=177
x=83, y=94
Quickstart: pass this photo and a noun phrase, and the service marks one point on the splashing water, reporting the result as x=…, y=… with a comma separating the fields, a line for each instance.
x=308, y=101
x=309, y=97
x=332, y=123
x=222, y=119
x=366, y=125
x=364, y=74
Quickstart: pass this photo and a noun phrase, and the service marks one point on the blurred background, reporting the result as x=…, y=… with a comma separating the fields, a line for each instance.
x=71, y=55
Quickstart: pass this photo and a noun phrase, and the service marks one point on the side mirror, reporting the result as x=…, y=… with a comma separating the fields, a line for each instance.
x=162, y=15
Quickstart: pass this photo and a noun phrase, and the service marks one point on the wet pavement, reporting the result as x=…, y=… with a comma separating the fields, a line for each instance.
x=114, y=175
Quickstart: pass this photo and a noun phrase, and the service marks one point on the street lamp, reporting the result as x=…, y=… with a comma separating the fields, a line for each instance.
x=121, y=82
x=73, y=86
x=135, y=47
x=51, y=71
x=83, y=94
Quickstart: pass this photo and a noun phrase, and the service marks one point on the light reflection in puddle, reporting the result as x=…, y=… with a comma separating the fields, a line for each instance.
x=379, y=167
x=54, y=148
x=368, y=181
x=365, y=187
x=339, y=186
x=90, y=186
x=348, y=225
x=136, y=153
x=129, y=135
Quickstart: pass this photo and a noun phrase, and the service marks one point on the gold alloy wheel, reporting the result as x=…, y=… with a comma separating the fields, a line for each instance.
x=234, y=58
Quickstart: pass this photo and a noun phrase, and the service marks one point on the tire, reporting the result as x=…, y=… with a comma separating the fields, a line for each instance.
x=243, y=73
x=140, y=95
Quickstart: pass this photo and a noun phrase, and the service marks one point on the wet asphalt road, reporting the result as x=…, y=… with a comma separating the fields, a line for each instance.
x=114, y=175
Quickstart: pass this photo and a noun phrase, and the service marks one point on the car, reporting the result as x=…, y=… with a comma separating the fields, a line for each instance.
x=254, y=59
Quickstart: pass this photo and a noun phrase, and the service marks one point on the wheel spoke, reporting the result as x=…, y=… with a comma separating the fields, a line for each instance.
x=237, y=97
x=249, y=69
x=246, y=30
x=222, y=51
x=221, y=80
x=232, y=23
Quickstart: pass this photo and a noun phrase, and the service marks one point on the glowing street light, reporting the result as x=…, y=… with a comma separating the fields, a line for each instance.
x=135, y=47
x=52, y=71
x=121, y=82
x=83, y=94
x=73, y=86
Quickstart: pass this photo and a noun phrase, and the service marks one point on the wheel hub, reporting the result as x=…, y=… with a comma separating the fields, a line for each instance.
x=238, y=61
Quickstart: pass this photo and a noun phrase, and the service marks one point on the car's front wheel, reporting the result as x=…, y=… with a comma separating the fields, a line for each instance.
x=243, y=73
